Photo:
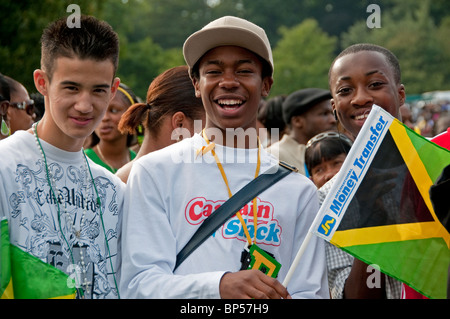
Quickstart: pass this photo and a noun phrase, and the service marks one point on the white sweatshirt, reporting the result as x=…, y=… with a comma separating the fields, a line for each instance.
x=170, y=192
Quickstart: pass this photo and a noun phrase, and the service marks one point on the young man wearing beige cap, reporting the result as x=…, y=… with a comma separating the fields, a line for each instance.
x=173, y=191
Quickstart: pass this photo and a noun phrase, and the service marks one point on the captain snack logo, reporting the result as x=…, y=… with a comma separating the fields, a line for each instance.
x=199, y=208
x=268, y=229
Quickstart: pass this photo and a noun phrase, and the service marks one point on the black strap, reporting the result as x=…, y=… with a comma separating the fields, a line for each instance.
x=230, y=207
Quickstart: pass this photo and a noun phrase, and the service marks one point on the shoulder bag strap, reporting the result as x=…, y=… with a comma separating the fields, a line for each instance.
x=230, y=207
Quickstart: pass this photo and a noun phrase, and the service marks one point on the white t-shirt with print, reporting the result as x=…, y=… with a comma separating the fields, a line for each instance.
x=32, y=212
x=170, y=192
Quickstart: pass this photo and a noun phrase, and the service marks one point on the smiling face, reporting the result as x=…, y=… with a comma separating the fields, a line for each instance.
x=359, y=80
x=231, y=86
x=76, y=99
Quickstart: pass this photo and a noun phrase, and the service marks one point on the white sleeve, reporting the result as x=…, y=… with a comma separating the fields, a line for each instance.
x=149, y=247
x=310, y=280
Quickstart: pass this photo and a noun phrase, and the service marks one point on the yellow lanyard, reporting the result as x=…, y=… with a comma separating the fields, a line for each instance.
x=210, y=147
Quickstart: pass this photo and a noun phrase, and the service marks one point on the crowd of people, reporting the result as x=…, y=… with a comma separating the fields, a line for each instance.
x=118, y=185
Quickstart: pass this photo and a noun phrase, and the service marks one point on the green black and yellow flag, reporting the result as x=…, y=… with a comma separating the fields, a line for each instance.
x=23, y=276
x=379, y=208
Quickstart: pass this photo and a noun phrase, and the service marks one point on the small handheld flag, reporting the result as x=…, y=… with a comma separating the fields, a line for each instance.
x=23, y=276
x=379, y=208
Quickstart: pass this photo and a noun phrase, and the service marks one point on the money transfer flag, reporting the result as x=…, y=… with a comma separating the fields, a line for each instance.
x=23, y=276
x=379, y=208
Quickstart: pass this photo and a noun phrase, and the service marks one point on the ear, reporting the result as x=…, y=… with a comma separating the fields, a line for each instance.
x=4, y=107
x=402, y=94
x=266, y=86
x=334, y=110
x=298, y=121
x=41, y=81
x=195, y=83
x=114, y=86
x=178, y=120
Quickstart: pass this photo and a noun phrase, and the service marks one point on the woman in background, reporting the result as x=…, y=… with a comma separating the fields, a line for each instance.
x=325, y=153
x=171, y=104
x=21, y=108
x=108, y=146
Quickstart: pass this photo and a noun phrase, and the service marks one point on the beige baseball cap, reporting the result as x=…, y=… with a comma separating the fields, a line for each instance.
x=227, y=30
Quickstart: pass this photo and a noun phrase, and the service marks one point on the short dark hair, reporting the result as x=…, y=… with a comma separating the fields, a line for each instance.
x=4, y=89
x=390, y=57
x=94, y=39
x=270, y=113
x=326, y=149
x=14, y=85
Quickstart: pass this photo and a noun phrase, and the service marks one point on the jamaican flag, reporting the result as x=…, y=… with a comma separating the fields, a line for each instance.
x=23, y=276
x=379, y=208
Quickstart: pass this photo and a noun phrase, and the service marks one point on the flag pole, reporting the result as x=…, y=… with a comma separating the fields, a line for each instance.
x=297, y=258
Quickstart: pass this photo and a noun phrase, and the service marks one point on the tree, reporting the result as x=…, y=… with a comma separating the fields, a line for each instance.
x=142, y=58
x=21, y=25
x=302, y=58
x=140, y=62
x=421, y=47
x=333, y=16
x=417, y=31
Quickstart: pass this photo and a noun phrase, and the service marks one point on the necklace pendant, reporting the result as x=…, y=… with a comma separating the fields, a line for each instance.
x=78, y=233
x=246, y=258
x=257, y=258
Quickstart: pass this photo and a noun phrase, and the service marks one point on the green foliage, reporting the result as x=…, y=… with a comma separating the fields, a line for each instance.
x=137, y=59
x=302, y=58
x=305, y=35
x=140, y=62
x=142, y=57
x=21, y=25
x=421, y=47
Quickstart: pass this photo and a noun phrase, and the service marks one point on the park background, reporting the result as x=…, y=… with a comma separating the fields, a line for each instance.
x=305, y=36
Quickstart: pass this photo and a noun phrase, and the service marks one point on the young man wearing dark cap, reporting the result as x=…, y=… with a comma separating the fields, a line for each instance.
x=306, y=112
x=171, y=192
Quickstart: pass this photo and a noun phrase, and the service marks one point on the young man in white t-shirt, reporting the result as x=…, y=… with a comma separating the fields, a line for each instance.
x=61, y=207
x=171, y=192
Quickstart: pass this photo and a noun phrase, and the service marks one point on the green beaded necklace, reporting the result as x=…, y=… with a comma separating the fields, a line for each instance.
x=52, y=192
